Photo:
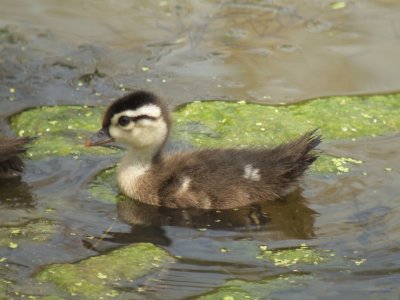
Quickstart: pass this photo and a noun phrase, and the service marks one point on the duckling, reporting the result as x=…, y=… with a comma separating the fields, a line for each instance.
x=203, y=179
x=11, y=164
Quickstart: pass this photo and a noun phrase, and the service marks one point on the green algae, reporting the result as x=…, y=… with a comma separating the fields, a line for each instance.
x=61, y=130
x=240, y=289
x=104, y=186
x=100, y=276
x=3, y=288
x=262, y=289
x=37, y=231
x=241, y=124
x=293, y=256
x=246, y=124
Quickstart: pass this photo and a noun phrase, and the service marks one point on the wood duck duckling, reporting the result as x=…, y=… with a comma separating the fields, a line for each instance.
x=11, y=165
x=204, y=179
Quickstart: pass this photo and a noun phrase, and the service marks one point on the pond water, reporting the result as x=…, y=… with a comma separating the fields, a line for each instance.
x=88, y=53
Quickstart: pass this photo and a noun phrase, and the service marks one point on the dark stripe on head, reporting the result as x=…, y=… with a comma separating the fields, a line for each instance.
x=134, y=101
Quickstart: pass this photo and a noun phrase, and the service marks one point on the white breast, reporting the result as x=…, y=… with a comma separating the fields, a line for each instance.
x=129, y=178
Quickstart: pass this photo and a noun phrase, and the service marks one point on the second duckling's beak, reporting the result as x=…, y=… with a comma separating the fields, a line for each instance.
x=101, y=137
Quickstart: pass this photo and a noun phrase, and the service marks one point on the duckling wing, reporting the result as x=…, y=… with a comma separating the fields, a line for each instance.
x=228, y=178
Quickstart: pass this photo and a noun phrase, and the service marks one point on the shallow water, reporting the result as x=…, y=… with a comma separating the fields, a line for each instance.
x=263, y=51
x=260, y=51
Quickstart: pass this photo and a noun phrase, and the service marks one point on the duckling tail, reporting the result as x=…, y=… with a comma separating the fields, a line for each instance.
x=311, y=139
x=296, y=156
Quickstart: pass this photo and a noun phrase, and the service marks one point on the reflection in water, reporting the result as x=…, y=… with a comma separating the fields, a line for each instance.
x=289, y=216
x=15, y=193
x=210, y=245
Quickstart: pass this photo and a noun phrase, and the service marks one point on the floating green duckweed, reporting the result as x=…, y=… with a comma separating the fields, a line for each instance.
x=342, y=163
x=61, y=129
x=99, y=277
x=293, y=256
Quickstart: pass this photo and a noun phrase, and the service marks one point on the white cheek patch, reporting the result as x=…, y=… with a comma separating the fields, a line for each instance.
x=118, y=133
x=153, y=134
x=150, y=110
x=251, y=173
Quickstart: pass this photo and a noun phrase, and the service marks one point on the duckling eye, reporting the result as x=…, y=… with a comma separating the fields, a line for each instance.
x=124, y=121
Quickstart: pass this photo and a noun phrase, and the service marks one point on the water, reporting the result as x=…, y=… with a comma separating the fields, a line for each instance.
x=258, y=50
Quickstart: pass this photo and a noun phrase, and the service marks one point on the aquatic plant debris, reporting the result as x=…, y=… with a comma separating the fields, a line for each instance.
x=338, y=5
x=99, y=276
x=342, y=164
x=289, y=257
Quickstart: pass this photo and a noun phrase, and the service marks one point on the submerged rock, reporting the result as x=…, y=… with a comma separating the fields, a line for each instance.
x=104, y=275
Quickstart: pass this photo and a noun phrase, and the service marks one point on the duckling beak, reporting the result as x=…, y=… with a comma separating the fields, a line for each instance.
x=101, y=137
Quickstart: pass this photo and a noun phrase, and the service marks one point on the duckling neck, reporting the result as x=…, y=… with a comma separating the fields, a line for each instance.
x=133, y=166
x=136, y=160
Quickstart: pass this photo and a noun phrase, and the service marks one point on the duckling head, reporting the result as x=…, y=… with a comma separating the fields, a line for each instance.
x=139, y=120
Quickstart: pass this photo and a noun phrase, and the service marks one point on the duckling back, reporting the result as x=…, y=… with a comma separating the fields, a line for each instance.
x=226, y=178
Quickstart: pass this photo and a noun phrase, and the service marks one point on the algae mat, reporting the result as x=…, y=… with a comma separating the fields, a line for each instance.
x=245, y=124
x=61, y=130
x=102, y=276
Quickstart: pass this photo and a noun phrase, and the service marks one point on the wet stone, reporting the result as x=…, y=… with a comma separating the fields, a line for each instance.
x=106, y=275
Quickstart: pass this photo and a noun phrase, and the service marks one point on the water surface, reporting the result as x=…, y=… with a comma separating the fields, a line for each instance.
x=89, y=52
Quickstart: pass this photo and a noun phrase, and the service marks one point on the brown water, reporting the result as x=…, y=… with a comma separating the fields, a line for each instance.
x=265, y=51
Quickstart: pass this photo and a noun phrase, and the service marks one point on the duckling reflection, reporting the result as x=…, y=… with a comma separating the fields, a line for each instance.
x=15, y=193
x=288, y=218
x=288, y=215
